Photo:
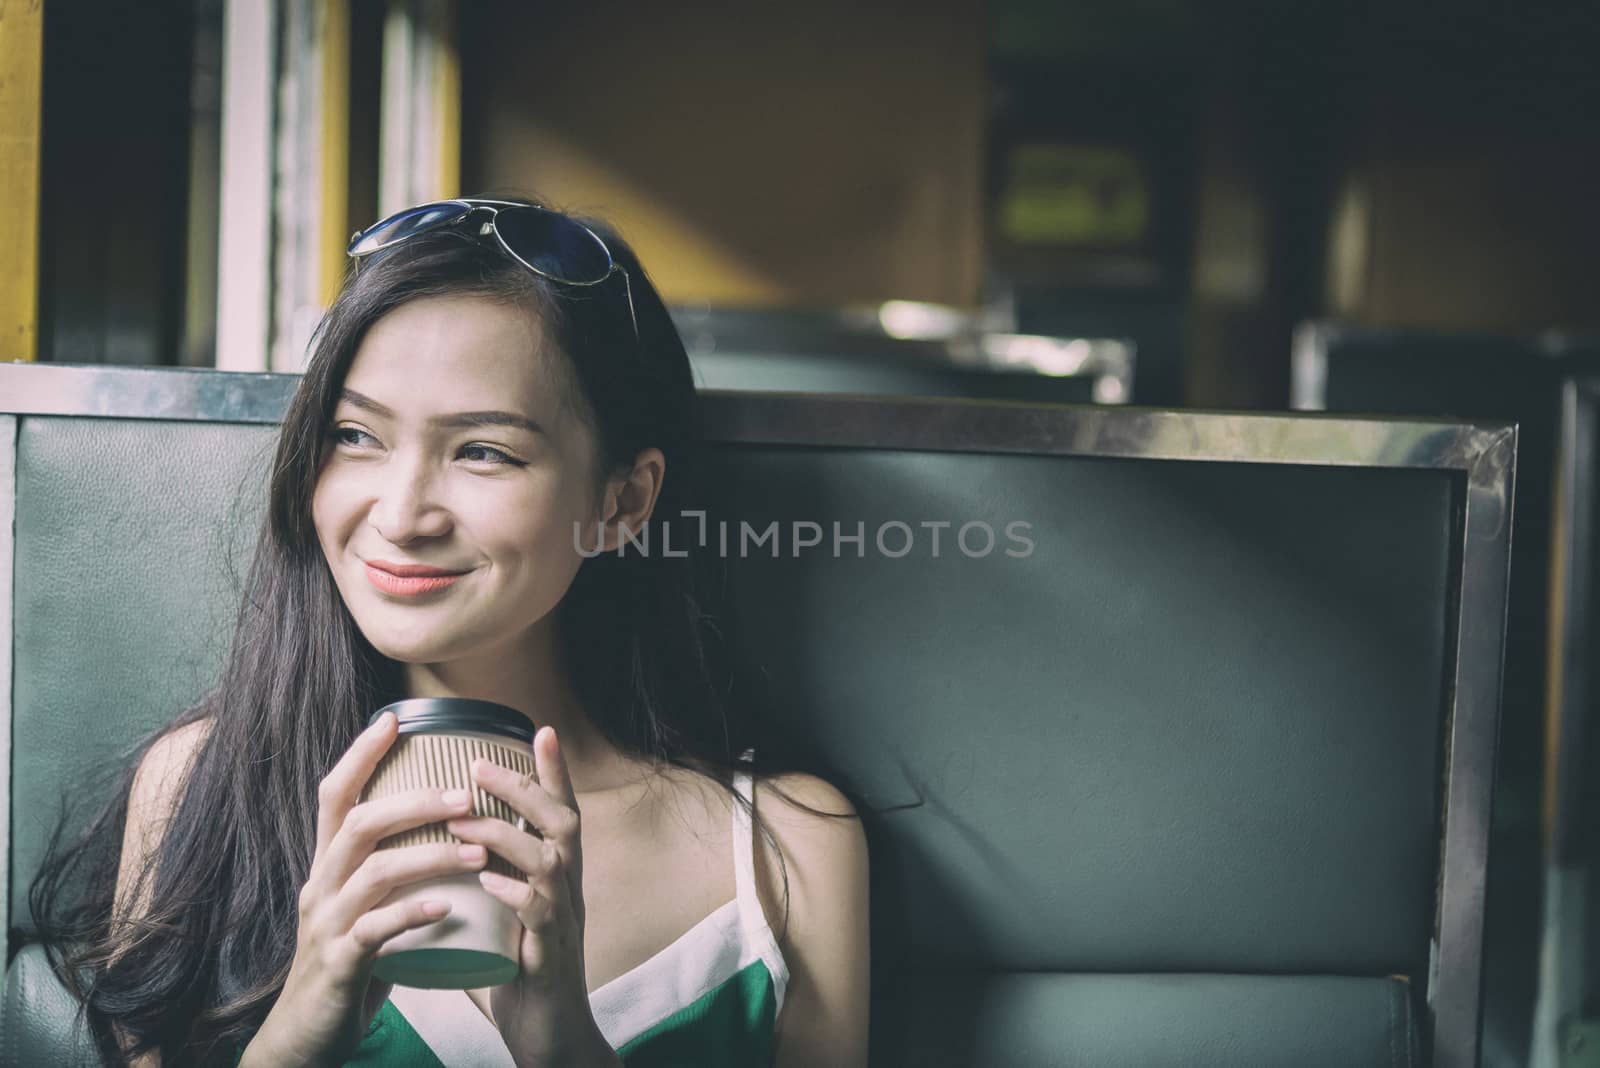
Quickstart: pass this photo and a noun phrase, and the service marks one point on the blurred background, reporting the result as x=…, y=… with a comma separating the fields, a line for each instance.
x=1331, y=204
x=1189, y=180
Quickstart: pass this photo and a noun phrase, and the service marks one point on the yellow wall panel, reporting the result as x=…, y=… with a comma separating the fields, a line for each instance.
x=799, y=154
x=21, y=73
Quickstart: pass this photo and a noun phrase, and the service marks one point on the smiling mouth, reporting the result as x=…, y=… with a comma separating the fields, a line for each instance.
x=410, y=585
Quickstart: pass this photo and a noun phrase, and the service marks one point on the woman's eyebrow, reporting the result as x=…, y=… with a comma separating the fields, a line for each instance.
x=452, y=421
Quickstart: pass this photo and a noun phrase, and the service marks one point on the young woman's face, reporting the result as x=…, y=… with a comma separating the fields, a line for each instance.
x=451, y=448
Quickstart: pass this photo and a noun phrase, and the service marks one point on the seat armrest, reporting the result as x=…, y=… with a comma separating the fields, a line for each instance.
x=39, y=1021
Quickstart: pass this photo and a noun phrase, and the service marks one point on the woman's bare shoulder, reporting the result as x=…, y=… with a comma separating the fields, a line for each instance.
x=822, y=851
x=153, y=797
x=788, y=796
x=817, y=903
x=783, y=798
x=169, y=756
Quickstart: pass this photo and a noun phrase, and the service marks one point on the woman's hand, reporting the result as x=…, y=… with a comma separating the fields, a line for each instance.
x=329, y=998
x=544, y=1013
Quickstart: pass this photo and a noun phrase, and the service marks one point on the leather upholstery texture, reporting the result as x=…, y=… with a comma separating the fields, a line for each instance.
x=40, y=1024
x=122, y=595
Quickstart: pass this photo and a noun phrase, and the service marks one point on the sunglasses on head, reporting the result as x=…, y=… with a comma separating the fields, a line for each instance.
x=546, y=242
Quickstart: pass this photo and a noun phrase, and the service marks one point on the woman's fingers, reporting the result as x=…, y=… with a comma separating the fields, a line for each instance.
x=537, y=902
x=551, y=763
x=340, y=789
x=372, y=821
x=530, y=855
x=372, y=929
x=553, y=861
x=387, y=870
x=549, y=882
x=545, y=812
x=552, y=767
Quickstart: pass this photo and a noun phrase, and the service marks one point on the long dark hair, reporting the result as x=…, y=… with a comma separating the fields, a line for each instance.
x=199, y=969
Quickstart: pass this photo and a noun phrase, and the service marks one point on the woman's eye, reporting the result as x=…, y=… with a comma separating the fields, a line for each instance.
x=485, y=454
x=351, y=437
x=348, y=435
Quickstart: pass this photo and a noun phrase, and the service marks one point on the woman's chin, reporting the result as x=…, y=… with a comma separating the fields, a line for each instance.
x=412, y=649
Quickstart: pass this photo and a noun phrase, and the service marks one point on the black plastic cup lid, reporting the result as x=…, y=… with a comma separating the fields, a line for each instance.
x=418, y=715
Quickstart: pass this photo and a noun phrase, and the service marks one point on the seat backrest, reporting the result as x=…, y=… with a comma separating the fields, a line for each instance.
x=1541, y=383
x=1511, y=378
x=1180, y=739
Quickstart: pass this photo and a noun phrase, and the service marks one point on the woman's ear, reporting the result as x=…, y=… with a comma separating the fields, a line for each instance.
x=628, y=500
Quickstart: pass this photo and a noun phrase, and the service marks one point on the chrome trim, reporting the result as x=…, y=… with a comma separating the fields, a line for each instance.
x=1569, y=917
x=1482, y=455
x=1473, y=724
x=1571, y=864
x=1308, y=366
x=8, y=516
x=145, y=392
x=1573, y=592
x=1481, y=451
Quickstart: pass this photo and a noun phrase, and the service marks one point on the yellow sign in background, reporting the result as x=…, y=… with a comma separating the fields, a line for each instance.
x=1074, y=195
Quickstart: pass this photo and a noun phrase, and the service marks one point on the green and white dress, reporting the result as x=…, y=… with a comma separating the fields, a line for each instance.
x=709, y=1000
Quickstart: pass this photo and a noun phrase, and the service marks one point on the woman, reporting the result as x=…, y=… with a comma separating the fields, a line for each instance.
x=498, y=395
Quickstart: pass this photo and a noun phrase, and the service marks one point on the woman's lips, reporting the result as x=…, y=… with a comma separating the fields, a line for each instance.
x=408, y=586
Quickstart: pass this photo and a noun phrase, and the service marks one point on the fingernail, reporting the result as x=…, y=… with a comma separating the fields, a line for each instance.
x=456, y=797
x=471, y=852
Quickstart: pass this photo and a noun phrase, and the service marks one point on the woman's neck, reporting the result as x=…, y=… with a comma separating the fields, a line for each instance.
x=535, y=683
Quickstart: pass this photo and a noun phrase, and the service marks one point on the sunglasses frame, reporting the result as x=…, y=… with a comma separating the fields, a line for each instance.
x=472, y=206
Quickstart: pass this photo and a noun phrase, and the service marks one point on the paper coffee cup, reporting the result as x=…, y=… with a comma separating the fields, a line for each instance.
x=475, y=944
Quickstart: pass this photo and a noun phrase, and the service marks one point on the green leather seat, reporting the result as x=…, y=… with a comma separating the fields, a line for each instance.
x=1175, y=774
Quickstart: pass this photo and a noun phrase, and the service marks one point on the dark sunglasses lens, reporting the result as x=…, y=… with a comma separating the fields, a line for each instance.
x=404, y=225
x=554, y=245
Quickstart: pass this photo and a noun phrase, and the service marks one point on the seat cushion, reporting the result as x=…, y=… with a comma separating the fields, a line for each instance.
x=1143, y=1021
x=996, y=1020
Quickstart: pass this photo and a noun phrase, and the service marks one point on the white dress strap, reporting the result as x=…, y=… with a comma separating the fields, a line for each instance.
x=454, y=1028
x=758, y=936
x=744, y=868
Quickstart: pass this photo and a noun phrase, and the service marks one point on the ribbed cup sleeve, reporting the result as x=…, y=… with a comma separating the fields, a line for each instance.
x=444, y=761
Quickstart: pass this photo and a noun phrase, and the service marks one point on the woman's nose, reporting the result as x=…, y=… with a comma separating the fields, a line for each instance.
x=407, y=505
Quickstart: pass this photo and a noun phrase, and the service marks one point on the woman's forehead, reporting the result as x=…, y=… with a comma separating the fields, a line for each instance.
x=459, y=353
